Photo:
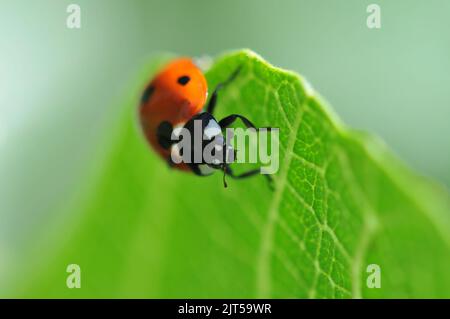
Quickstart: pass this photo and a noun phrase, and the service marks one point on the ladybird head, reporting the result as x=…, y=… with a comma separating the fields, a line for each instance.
x=207, y=144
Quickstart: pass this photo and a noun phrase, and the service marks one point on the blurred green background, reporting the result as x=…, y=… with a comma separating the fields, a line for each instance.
x=60, y=87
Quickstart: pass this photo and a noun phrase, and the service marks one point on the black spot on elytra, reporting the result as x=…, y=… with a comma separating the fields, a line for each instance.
x=183, y=80
x=147, y=94
x=164, y=133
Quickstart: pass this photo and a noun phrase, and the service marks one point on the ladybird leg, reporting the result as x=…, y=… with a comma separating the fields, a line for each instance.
x=227, y=121
x=228, y=171
x=213, y=100
x=250, y=173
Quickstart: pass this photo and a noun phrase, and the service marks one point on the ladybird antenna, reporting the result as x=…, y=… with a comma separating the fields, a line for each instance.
x=234, y=74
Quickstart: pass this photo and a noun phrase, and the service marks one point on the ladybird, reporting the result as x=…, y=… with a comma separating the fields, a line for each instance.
x=175, y=98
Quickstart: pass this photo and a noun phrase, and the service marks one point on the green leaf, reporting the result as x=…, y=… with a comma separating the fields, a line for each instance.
x=341, y=202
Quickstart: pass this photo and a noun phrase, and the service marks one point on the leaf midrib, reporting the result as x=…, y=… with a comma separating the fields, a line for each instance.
x=263, y=273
